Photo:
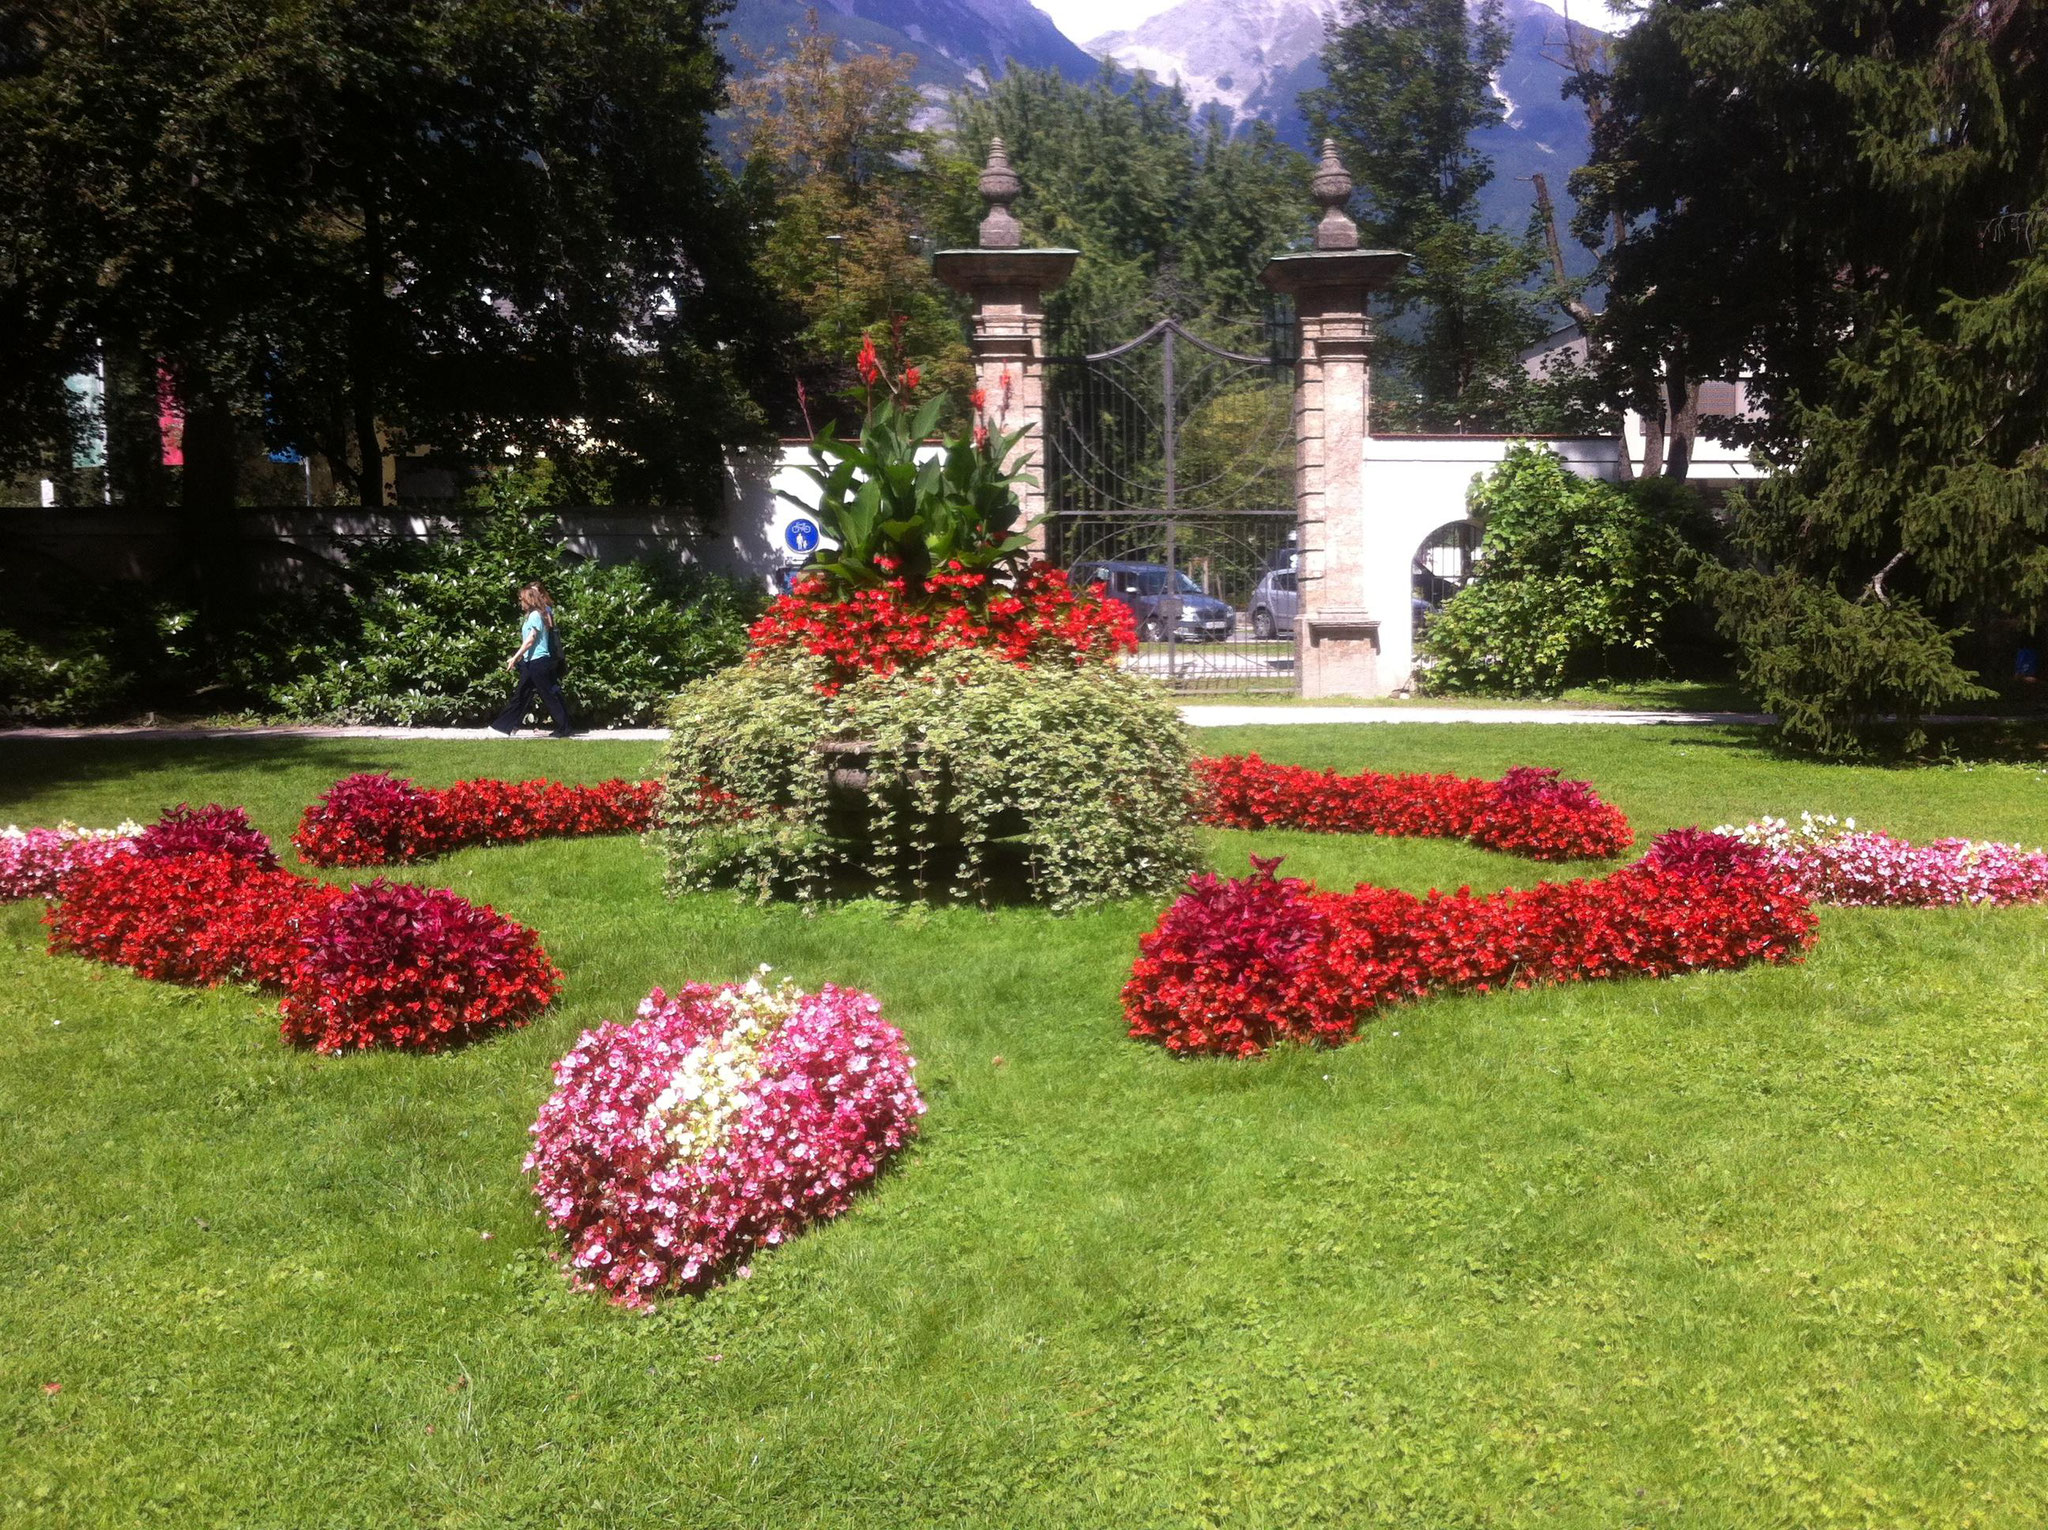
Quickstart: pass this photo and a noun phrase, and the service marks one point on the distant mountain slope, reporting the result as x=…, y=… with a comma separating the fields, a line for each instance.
x=1254, y=58
x=957, y=42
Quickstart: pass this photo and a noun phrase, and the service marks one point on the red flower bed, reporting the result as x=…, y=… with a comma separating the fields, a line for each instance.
x=417, y=968
x=1527, y=812
x=204, y=918
x=1236, y=965
x=370, y=820
x=1042, y=620
x=408, y=967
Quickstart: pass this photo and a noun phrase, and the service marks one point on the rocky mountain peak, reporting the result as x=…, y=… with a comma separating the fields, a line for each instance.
x=1228, y=52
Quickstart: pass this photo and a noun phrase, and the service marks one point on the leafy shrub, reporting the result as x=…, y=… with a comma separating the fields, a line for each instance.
x=369, y=820
x=1231, y=969
x=1576, y=579
x=416, y=968
x=48, y=683
x=209, y=830
x=721, y=1120
x=441, y=618
x=1527, y=812
x=1093, y=761
x=118, y=649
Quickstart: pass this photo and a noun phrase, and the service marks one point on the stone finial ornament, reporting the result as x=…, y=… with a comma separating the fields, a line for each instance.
x=1000, y=230
x=1331, y=186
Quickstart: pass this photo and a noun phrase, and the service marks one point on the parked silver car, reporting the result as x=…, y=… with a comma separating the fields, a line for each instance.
x=1275, y=600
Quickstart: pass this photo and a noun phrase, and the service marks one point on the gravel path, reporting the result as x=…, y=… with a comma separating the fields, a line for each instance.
x=1198, y=715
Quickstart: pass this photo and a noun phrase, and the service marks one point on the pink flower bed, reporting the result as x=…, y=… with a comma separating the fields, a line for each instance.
x=34, y=861
x=1832, y=861
x=720, y=1121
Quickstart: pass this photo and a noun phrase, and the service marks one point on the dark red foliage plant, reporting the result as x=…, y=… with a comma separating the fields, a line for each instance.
x=213, y=829
x=1703, y=853
x=366, y=820
x=1235, y=966
x=416, y=968
x=1528, y=812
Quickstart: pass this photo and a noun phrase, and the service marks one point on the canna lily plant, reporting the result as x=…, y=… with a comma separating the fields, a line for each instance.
x=923, y=523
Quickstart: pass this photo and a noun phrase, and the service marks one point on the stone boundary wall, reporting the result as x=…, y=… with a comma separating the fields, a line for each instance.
x=116, y=545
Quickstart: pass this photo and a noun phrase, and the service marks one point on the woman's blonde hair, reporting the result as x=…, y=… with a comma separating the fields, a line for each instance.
x=535, y=597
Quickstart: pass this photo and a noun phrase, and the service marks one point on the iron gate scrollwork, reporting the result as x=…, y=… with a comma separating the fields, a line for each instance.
x=1170, y=481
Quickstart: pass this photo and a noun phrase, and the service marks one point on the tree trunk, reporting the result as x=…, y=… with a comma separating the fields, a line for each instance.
x=135, y=439
x=1572, y=304
x=1650, y=400
x=369, y=447
x=1683, y=395
x=207, y=511
x=366, y=352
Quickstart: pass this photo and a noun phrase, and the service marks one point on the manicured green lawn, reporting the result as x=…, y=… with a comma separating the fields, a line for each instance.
x=1754, y=1249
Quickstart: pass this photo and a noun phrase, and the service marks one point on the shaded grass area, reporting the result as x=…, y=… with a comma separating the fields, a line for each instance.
x=1762, y=1248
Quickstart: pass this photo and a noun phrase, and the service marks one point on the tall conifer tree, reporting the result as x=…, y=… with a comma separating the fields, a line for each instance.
x=1850, y=203
x=1410, y=82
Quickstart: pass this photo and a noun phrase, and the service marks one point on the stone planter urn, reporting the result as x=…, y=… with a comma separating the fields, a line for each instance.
x=851, y=797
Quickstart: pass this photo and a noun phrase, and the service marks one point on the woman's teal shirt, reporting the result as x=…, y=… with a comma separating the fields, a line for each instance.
x=543, y=645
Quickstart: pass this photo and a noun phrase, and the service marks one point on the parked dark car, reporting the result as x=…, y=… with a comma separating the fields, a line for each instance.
x=1158, y=603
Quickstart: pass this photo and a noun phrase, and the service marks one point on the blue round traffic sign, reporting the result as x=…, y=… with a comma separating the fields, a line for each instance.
x=801, y=534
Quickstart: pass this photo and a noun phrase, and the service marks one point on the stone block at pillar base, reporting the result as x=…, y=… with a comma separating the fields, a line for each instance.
x=1339, y=655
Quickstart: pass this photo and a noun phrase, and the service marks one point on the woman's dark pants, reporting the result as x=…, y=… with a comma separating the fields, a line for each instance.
x=537, y=677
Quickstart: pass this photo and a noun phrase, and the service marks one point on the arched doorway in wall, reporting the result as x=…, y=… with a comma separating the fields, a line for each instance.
x=1443, y=565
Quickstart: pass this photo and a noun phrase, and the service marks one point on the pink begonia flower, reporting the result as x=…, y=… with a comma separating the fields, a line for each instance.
x=34, y=861
x=722, y=1120
x=1830, y=860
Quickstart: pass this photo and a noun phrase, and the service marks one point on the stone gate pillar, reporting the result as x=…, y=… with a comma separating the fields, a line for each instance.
x=1007, y=285
x=1344, y=597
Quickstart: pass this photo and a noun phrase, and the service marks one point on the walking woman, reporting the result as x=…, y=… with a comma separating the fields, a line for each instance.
x=538, y=663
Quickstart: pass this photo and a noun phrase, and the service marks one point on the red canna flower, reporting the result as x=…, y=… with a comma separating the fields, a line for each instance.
x=868, y=362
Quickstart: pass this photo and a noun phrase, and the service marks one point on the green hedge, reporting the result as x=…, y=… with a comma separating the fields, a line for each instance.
x=438, y=622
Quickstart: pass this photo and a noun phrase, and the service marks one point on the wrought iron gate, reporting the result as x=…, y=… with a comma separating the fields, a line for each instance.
x=1170, y=479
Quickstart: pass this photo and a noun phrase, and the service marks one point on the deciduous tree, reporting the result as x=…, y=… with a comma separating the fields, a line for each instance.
x=360, y=226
